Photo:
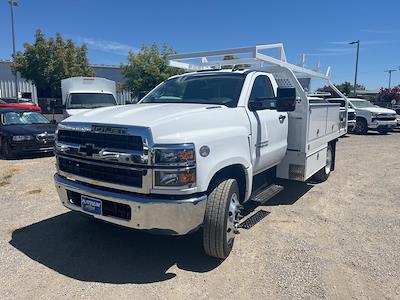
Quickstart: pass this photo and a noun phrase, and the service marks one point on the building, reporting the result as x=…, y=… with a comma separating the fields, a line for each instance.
x=28, y=90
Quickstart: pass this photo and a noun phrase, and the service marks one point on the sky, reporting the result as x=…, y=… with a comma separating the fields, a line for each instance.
x=320, y=29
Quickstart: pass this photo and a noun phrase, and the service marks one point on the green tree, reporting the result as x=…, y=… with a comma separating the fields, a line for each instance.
x=345, y=87
x=147, y=68
x=47, y=61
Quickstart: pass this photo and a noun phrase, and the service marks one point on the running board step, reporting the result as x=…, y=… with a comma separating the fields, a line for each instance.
x=267, y=193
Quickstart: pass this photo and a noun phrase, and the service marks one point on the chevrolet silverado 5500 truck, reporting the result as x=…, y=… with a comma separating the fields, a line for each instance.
x=185, y=157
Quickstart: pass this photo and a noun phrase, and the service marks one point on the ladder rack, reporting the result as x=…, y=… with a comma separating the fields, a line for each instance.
x=199, y=61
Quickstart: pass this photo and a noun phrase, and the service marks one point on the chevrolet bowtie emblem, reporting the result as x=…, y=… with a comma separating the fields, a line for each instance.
x=89, y=149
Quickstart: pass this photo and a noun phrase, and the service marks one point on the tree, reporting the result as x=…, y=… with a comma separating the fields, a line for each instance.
x=48, y=61
x=387, y=95
x=147, y=68
x=345, y=87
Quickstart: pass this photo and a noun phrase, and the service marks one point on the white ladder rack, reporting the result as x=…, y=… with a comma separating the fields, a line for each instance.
x=199, y=61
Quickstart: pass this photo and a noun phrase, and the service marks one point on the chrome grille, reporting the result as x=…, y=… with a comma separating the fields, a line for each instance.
x=110, y=173
x=101, y=140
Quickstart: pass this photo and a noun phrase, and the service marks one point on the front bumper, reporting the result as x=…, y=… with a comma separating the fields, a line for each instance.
x=31, y=147
x=377, y=124
x=160, y=215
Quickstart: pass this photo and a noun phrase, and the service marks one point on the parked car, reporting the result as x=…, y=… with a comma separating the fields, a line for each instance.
x=397, y=110
x=351, y=113
x=24, y=131
x=22, y=105
x=371, y=117
x=187, y=154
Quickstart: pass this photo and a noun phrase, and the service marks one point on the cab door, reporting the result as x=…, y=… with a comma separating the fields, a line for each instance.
x=269, y=128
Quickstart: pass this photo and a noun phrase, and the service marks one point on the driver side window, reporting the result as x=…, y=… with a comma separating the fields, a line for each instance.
x=263, y=91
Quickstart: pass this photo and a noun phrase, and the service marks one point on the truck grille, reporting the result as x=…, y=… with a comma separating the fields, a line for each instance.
x=112, y=174
x=102, y=140
x=386, y=118
x=351, y=116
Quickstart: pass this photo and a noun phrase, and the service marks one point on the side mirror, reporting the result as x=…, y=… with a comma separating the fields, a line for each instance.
x=286, y=99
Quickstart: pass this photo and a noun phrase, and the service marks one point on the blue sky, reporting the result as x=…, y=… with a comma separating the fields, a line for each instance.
x=320, y=29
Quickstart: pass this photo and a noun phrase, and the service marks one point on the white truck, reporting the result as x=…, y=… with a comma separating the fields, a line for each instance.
x=371, y=117
x=80, y=94
x=187, y=155
x=351, y=113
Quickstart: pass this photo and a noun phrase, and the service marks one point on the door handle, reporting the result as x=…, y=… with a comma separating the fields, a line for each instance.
x=282, y=118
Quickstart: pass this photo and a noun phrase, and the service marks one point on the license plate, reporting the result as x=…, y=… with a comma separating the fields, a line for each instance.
x=91, y=205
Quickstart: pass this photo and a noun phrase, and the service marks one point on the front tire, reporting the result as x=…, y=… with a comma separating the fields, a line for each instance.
x=361, y=126
x=383, y=131
x=323, y=174
x=6, y=150
x=221, y=219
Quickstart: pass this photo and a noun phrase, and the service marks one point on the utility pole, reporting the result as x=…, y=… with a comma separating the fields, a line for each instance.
x=390, y=75
x=355, y=77
x=12, y=4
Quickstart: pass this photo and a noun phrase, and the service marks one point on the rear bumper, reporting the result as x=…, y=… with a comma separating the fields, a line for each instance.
x=165, y=216
x=382, y=124
x=351, y=124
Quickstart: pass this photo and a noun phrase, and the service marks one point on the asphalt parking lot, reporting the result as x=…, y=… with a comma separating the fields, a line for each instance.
x=338, y=239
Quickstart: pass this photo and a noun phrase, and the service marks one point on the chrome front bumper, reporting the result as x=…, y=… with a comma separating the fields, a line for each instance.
x=382, y=124
x=175, y=217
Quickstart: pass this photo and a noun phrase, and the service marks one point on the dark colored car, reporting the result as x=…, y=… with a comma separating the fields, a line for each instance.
x=24, y=132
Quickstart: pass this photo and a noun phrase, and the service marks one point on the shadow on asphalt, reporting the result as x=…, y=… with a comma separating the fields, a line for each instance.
x=79, y=247
x=88, y=250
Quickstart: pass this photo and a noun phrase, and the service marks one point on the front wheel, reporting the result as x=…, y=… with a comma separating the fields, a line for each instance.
x=361, y=126
x=221, y=219
x=323, y=174
x=383, y=131
x=6, y=150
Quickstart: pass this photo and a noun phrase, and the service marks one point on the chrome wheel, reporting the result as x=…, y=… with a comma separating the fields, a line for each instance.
x=233, y=218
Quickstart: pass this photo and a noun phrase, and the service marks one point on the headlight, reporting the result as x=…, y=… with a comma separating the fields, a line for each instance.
x=175, y=155
x=175, y=178
x=20, y=138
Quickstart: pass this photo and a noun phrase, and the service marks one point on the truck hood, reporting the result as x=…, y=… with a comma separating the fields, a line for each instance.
x=75, y=111
x=168, y=122
x=378, y=110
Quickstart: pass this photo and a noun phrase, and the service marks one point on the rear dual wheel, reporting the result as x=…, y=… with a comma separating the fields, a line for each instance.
x=323, y=174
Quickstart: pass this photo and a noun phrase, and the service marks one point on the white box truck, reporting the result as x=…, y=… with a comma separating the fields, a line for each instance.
x=80, y=94
x=186, y=156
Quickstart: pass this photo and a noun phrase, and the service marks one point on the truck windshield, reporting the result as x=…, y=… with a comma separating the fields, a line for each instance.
x=23, y=118
x=90, y=100
x=362, y=103
x=219, y=89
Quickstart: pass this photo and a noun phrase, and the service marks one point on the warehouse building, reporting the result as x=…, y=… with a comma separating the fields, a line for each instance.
x=28, y=90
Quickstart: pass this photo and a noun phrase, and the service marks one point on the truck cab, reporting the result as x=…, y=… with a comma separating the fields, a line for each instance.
x=187, y=155
x=80, y=94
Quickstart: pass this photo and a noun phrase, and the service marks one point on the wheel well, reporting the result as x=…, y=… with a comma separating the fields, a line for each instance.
x=234, y=171
x=361, y=118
